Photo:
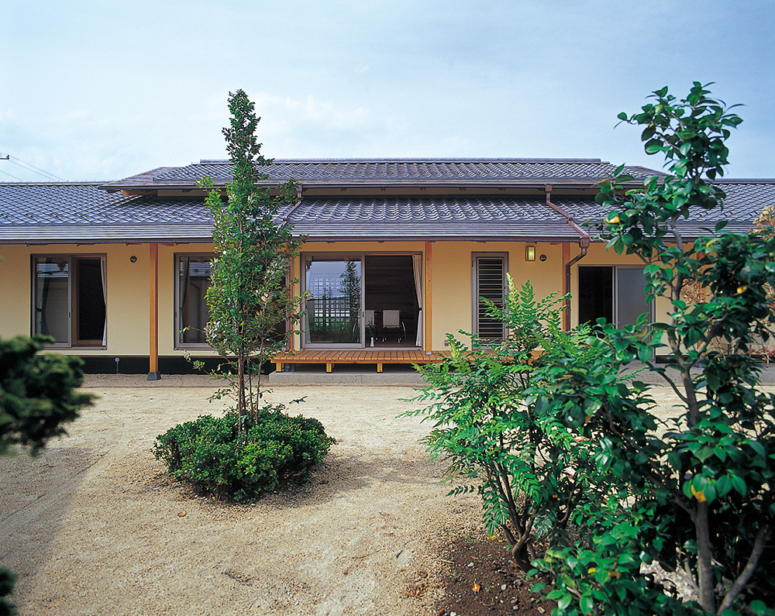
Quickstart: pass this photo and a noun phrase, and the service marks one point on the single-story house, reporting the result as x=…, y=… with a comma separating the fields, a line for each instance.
x=398, y=253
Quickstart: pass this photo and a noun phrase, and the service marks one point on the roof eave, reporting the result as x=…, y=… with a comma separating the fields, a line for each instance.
x=537, y=183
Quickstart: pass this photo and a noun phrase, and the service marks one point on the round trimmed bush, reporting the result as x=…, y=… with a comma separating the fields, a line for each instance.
x=215, y=457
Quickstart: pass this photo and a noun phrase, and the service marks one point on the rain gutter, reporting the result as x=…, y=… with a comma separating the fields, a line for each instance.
x=584, y=242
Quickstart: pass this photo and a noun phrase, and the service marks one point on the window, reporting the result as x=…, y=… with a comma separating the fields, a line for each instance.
x=342, y=289
x=333, y=305
x=70, y=299
x=489, y=282
x=192, y=312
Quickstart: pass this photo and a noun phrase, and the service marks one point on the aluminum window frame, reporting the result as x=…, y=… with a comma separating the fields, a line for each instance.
x=73, y=308
x=177, y=326
x=475, y=257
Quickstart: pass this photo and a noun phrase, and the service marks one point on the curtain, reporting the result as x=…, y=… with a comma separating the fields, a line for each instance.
x=183, y=281
x=417, y=267
x=104, y=274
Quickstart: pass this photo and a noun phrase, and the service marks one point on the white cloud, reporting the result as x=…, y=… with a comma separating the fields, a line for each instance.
x=310, y=111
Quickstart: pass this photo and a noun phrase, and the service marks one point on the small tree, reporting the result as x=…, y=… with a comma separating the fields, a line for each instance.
x=37, y=396
x=253, y=447
x=530, y=471
x=249, y=296
x=701, y=498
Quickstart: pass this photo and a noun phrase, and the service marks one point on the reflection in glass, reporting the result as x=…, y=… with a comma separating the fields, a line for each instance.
x=52, y=301
x=193, y=313
x=334, y=301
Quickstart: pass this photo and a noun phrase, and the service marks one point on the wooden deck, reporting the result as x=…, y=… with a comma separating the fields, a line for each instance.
x=361, y=356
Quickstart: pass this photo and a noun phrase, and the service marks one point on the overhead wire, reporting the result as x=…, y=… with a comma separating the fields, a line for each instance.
x=29, y=167
x=9, y=175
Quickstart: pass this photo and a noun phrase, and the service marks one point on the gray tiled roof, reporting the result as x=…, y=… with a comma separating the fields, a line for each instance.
x=422, y=210
x=81, y=211
x=450, y=217
x=327, y=172
x=744, y=202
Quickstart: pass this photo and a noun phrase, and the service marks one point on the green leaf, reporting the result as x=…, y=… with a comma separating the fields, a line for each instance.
x=586, y=604
x=738, y=483
x=760, y=608
x=644, y=354
x=653, y=148
x=757, y=447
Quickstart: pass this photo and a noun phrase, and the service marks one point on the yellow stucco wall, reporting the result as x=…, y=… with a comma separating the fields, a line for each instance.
x=128, y=285
x=15, y=298
x=128, y=293
x=451, y=272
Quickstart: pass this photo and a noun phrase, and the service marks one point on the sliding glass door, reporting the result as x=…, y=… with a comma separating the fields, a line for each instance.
x=362, y=300
x=616, y=294
x=334, y=300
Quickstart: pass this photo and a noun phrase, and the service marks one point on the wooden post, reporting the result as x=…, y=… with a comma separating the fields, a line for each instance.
x=426, y=306
x=291, y=290
x=565, y=283
x=153, y=370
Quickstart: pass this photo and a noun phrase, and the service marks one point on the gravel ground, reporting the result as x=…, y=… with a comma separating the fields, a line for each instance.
x=95, y=526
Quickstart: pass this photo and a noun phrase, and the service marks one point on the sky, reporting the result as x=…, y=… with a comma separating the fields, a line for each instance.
x=105, y=90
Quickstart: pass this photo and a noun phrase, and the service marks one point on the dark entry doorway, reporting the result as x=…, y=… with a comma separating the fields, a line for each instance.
x=390, y=286
x=596, y=294
x=616, y=294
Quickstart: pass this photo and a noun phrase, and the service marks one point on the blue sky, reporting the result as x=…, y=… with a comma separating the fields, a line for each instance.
x=104, y=90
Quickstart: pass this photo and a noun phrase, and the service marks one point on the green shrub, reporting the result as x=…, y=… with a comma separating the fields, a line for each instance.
x=215, y=457
x=7, y=581
x=529, y=468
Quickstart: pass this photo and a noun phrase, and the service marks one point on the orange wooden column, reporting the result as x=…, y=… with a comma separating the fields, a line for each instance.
x=153, y=370
x=291, y=326
x=565, y=282
x=426, y=307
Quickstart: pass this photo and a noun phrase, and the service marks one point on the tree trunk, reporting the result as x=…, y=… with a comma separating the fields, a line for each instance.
x=704, y=559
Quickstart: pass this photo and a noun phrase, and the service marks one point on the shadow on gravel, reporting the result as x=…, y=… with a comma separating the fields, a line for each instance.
x=35, y=497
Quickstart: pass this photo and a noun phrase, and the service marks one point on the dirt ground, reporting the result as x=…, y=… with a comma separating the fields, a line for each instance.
x=94, y=526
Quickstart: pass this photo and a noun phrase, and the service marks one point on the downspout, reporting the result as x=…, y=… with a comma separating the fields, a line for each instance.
x=294, y=207
x=584, y=242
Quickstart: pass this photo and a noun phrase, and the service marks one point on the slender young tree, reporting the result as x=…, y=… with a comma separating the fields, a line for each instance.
x=249, y=297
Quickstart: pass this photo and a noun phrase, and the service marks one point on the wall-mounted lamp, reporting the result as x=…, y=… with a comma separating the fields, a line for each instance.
x=530, y=253
x=133, y=259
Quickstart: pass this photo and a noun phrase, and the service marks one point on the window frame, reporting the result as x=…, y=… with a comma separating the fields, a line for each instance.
x=361, y=255
x=73, y=307
x=475, y=256
x=616, y=292
x=177, y=325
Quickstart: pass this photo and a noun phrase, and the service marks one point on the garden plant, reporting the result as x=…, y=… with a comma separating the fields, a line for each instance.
x=249, y=297
x=530, y=470
x=567, y=445
x=254, y=446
